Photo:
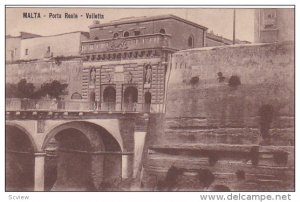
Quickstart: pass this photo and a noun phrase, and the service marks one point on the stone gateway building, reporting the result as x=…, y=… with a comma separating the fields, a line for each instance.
x=125, y=61
x=151, y=108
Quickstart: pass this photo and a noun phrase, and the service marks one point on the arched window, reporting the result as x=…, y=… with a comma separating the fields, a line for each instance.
x=116, y=35
x=109, y=99
x=96, y=38
x=191, y=42
x=162, y=31
x=130, y=98
x=76, y=96
x=126, y=34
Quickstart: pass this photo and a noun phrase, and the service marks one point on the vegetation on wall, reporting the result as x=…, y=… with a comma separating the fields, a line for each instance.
x=23, y=89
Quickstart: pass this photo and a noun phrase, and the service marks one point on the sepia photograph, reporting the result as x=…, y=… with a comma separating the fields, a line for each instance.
x=157, y=99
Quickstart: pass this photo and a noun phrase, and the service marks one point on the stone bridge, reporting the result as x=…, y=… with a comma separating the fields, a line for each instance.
x=62, y=151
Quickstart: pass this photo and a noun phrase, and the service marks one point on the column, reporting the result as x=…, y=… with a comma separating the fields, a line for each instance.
x=139, y=142
x=127, y=166
x=39, y=171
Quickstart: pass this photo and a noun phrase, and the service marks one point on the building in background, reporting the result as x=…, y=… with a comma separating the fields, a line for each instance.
x=13, y=45
x=61, y=45
x=274, y=25
x=215, y=40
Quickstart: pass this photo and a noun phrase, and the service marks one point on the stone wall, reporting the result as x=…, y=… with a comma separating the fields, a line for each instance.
x=39, y=72
x=266, y=73
x=210, y=133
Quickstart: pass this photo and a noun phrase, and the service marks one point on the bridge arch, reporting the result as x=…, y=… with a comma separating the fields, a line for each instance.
x=88, y=157
x=19, y=158
x=25, y=131
x=113, y=131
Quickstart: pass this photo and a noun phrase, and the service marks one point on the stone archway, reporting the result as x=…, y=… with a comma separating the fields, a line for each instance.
x=109, y=99
x=88, y=158
x=19, y=159
x=73, y=161
x=130, y=98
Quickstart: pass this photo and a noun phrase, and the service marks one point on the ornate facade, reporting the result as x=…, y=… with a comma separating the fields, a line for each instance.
x=125, y=61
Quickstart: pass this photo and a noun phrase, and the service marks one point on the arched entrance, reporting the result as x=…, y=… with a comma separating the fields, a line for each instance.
x=19, y=160
x=87, y=158
x=147, y=103
x=73, y=163
x=109, y=99
x=130, y=99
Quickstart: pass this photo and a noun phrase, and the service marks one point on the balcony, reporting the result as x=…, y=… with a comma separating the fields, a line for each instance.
x=16, y=104
x=149, y=41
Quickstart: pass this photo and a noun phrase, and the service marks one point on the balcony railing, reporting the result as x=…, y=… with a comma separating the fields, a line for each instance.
x=16, y=104
x=126, y=43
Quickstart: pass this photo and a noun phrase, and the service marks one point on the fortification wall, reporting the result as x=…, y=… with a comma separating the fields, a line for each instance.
x=197, y=98
x=41, y=71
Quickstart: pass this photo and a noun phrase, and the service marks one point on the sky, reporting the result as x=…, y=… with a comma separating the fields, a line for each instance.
x=219, y=20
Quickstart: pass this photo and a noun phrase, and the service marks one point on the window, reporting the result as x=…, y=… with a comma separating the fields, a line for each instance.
x=270, y=13
x=269, y=19
x=130, y=99
x=191, y=42
x=76, y=96
x=26, y=51
x=137, y=33
x=116, y=35
x=126, y=34
x=96, y=38
x=162, y=31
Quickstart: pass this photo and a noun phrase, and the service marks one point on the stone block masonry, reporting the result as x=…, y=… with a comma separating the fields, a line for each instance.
x=219, y=102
